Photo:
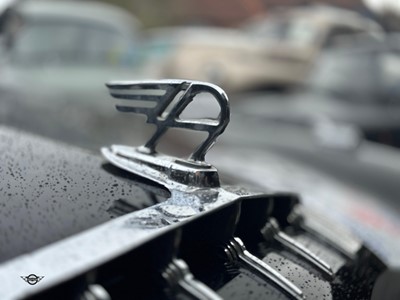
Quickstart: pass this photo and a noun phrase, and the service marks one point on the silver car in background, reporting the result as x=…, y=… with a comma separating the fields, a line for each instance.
x=57, y=55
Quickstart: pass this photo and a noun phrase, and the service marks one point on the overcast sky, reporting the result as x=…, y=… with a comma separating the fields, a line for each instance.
x=380, y=5
x=4, y=3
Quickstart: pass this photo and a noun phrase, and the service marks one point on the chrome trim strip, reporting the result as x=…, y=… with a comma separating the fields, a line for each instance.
x=89, y=249
x=272, y=230
x=238, y=256
x=178, y=277
x=331, y=232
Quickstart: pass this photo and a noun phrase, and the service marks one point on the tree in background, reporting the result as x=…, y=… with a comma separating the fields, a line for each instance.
x=154, y=13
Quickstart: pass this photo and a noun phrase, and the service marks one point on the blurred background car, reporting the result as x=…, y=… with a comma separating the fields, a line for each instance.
x=225, y=56
x=94, y=42
x=56, y=57
x=273, y=51
x=296, y=36
x=83, y=35
x=355, y=84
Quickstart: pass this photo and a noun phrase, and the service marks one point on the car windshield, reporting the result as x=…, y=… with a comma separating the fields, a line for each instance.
x=71, y=41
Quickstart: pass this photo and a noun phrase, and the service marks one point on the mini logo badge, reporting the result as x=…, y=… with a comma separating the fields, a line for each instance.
x=32, y=279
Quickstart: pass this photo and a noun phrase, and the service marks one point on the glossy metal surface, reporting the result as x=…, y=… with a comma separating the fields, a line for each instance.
x=272, y=230
x=70, y=257
x=169, y=104
x=166, y=170
x=238, y=256
x=95, y=292
x=338, y=238
x=197, y=207
x=170, y=98
x=178, y=277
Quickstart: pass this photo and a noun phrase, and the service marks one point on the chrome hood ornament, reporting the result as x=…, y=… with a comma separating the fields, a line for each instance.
x=169, y=99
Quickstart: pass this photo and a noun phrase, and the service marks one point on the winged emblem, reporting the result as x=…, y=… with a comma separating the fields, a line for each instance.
x=163, y=102
x=32, y=279
x=167, y=100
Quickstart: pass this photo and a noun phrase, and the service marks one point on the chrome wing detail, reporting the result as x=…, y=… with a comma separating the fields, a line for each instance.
x=169, y=99
x=163, y=102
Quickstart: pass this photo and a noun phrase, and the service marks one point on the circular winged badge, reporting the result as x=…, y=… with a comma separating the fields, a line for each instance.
x=32, y=279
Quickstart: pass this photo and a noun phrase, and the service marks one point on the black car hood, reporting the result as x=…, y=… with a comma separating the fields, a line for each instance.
x=49, y=191
x=346, y=199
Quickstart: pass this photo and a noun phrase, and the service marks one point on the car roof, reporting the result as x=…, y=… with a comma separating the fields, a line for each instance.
x=321, y=15
x=199, y=35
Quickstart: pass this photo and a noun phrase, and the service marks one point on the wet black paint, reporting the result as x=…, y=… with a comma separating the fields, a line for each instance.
x=49, y=191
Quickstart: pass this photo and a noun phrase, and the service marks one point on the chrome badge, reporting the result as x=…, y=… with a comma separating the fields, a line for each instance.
x=32, y=279
x=169, y=99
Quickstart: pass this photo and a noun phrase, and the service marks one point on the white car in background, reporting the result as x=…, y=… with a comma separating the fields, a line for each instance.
x=276, y=50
